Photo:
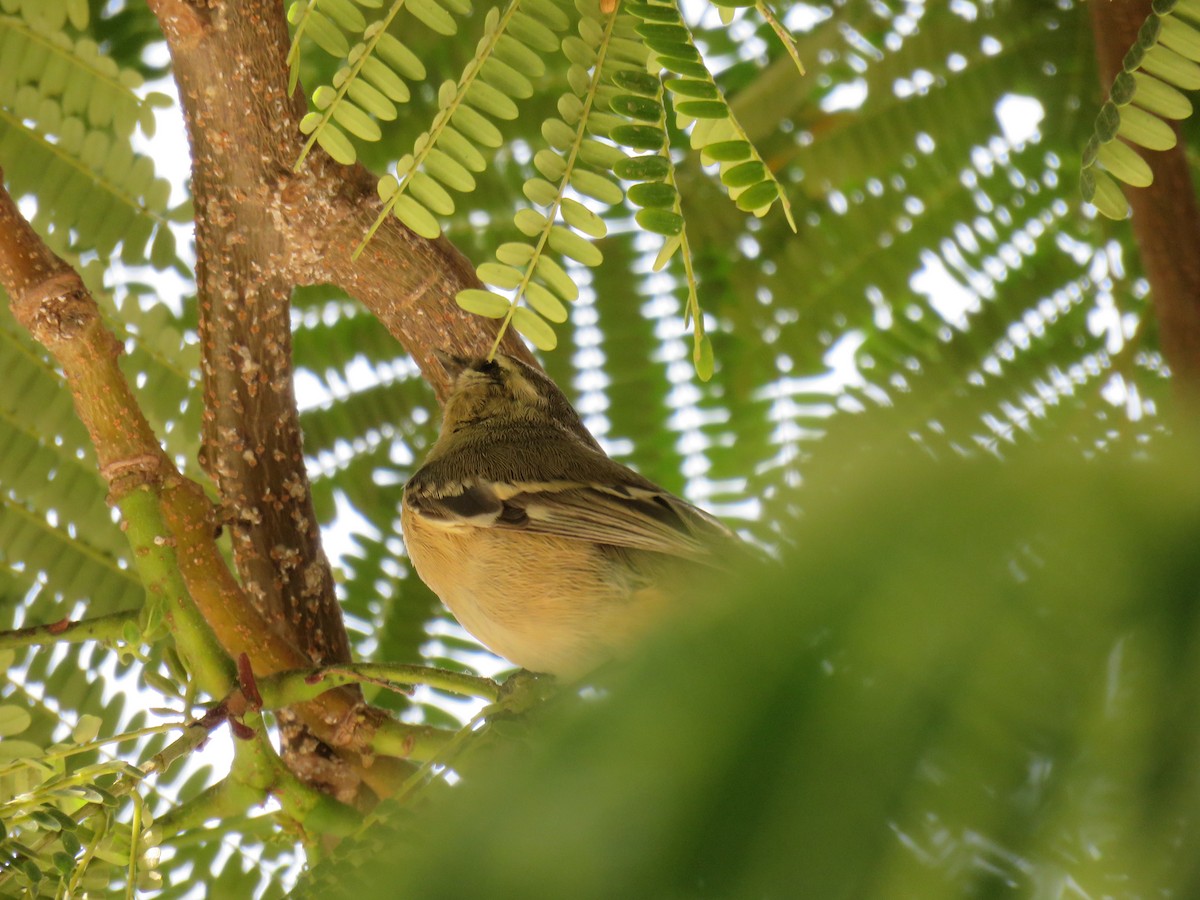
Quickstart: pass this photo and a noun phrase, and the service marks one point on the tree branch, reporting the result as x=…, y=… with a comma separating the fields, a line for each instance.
x=49, y=298
x=1166, y=220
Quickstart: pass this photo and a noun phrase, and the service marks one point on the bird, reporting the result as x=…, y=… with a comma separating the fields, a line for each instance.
x=549, y=552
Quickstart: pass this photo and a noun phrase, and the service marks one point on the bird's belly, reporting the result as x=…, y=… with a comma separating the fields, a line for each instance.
x=546, y=604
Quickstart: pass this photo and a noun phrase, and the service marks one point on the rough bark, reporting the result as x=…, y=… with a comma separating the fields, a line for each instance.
x=1166, y=220
x=262, y=229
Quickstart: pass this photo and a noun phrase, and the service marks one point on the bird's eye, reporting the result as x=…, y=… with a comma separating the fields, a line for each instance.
x=489, y=367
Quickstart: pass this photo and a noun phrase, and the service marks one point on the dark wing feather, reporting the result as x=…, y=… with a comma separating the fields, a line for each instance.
x=636, y=517
x=564, y=489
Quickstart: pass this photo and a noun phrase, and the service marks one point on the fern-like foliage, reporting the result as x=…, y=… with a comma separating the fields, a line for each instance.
x=1143, y=98
x=614, y=106
x=67, y=116
x=462, y=133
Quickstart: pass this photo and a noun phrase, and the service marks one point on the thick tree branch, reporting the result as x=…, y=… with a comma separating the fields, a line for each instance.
x=262, y=229
x=50, y=300
x=408, y=282
x=1166, y=220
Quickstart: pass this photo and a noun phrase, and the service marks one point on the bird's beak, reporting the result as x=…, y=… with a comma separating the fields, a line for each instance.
x=451, y=363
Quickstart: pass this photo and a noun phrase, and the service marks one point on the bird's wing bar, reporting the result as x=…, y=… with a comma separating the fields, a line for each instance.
x=618, y=515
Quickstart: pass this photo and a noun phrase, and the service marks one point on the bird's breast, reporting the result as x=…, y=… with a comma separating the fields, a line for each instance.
x=545, y=603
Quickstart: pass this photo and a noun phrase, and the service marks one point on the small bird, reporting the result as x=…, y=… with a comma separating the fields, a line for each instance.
x=553, y=555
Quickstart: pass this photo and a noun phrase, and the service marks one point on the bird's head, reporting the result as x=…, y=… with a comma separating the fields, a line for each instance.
x=502, y=390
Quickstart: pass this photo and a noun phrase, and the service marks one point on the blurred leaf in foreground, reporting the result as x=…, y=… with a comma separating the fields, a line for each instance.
x=971, y=679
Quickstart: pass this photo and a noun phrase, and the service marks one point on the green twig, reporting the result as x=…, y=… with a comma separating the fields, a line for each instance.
x=108, y=628
x=155, y=560
x=288, y=688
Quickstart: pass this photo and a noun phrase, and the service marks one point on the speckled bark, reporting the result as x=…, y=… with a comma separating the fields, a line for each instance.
x=262, y=229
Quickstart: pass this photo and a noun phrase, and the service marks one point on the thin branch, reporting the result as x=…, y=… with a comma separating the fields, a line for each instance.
x=286, y=688
x=109, y=628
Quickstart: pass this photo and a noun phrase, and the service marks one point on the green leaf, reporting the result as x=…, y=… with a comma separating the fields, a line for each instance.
x=1123, y=162
x=1160, y=98
x=702, y=357
x=636, y=107
x=434, y=16
x=550, y=164
x=520, y=57
x=399, y=57
x=372, y=100
x=556, y=278
x=758, y=197
x=545, y=303
x=482, y=303
x=1140, y=127
x=431, y=194
x=86, y=729
x=506, y=79
x=477, y=127
x=487, y=99
x=596, y=186
x=356, y=121
x=727, y=151
x=449, y=171
x=656, y=194
x=13, y=720
x=462, y=150
x=639, y=137
x=583, y=219
x=1101, y=191
x=642, y=83
x=602, y=156
x=693, y=87
x=345, y=14
x=568, y=243
x=535, y=328
x=387, y=81
x=500, y=276
x=336, y=144
x=660, y=221
x=540, y=191
x=529, y=222
x=529, y=31
x=416, y=217
x=746, y=174
x=643, y=168
x=514, y=253
x=558, y=134
x=702, y=109
x=326, y=35
x=652, y=12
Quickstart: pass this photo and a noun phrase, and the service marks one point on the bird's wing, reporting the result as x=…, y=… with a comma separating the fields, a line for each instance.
x=637, y=516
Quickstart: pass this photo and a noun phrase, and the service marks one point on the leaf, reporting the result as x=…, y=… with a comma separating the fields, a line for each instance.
x=535, y=328
x=653, y=194
x=660, y=221
x=557, y=278
x=336, y=144
x=500, y=276
x=643, y=168
x=86, y=729
x=13, y=720
x=598, y=187
x=579, y=249
x=583, y=219
x=529, y=222
x=416, y=217
x=545, y=303
x=639, y=137
x=482, y=303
